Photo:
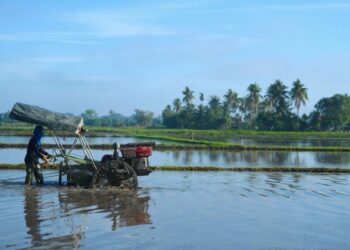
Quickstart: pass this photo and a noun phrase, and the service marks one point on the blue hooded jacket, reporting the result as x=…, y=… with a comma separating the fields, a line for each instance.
x=34, y=150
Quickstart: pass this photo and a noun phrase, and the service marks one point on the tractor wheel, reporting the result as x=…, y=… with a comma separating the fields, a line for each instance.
x=131, y=181
x=123, y=176
x=100, y=178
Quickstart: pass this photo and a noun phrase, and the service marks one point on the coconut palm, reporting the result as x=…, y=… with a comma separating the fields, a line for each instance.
x=299, y=95
x=177, y=105
x=254, y=96
x=253, y=99
x=201, y=97
x=232, y=100
x=188, y=96
x=214, y=102
x=277, y=98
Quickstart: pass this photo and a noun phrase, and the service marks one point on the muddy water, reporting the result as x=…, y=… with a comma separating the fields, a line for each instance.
x=179, y=210
x=219, y=158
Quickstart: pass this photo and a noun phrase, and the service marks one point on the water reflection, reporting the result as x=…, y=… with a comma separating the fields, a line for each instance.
x=33, y=207
x=335, y=158
x=220, y=158
x=224, y=205
x=309, y=142
x=121, y=208
x=70, y=140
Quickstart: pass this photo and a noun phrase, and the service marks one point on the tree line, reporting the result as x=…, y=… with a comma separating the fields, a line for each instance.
x=277, y=110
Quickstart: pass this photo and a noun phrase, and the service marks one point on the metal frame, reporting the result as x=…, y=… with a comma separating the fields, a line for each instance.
x=67, y=154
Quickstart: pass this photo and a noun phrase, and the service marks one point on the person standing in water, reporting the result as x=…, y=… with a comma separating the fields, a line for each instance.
x=34, y=152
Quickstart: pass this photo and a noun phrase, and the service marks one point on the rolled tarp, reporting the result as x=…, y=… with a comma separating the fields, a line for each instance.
x=46, y=118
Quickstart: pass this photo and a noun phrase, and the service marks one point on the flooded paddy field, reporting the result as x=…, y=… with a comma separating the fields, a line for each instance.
x=91, y=140
x=308, y=142
x=219, y=158
x=180, y=210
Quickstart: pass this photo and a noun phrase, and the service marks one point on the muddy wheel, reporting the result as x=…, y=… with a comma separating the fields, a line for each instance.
x=100, y=178
x=117, y=174
x=131, y=180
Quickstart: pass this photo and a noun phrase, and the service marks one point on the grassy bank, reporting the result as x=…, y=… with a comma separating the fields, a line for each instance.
x=204, y=146
x=223, y=134
x=210, y=168
x=190, y=134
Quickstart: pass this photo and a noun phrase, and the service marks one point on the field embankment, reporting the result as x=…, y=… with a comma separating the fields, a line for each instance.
x=204, y=146
x=211, y=168
x=184, y=133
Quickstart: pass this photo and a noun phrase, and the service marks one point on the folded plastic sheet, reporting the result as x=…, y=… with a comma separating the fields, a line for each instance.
x=46, y=118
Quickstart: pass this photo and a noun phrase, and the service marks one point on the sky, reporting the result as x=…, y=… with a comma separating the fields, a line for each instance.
x=69, y=56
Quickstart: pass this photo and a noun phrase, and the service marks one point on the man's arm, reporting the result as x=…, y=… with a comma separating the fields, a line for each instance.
x=41, y=153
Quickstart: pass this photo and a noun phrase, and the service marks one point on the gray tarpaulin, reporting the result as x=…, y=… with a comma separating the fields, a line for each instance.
x=40, y=116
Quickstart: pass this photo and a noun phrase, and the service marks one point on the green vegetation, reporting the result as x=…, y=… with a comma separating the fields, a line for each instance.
x=271, y=113
x=210, y=168
x=178, y=134
x=201, y=145
x=277, y=110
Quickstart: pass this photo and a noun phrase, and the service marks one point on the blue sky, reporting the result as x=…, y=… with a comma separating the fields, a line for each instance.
x=71, y=55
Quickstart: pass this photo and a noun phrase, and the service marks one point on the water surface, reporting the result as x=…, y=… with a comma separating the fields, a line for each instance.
x=219, y=158
x=180, y=210
x=308, y=142
x=91, y=140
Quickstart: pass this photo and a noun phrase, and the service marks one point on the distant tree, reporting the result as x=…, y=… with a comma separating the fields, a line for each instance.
x=253, y=100
x=200, y=119
x=232, y=100
x=215, y=113
x=188, y=96
x=177, y=105
x=143, y=118
x=157, y=122
x=332, y=113
x=227, y=115
x=277, y=98
x=298, y=94
x=90, y=117
x=167, y=116
x=201, y=97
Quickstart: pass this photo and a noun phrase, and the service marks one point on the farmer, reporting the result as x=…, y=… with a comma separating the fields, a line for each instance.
x=34, y=152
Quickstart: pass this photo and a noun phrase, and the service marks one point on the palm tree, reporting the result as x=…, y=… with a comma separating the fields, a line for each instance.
x=201, y=97
x=227, y=115
x=214, y=102
x=232, y=100
x=298, y=94
x=188, y=96
x=177, y=105
x=277, y=98
x=253, y=99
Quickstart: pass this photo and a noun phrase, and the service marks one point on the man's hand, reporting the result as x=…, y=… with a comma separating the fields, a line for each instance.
x=46, y=159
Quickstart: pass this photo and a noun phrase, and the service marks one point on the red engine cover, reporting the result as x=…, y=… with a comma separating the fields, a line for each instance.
x=138, y=151
x=143, y=151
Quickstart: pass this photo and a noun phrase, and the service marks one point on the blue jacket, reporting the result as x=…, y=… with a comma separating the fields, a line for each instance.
x=34, y=151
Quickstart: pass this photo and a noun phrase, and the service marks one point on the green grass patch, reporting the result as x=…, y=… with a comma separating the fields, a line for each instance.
x=199, y=146
x=185, y=133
